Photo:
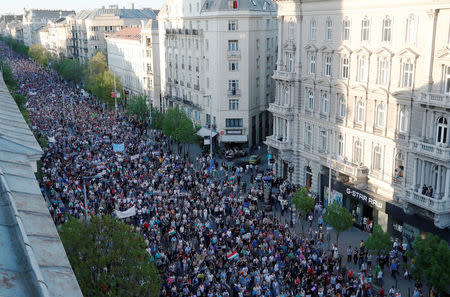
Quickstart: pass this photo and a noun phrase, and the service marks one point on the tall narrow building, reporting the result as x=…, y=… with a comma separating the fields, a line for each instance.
x=363, y=89
x=217, y=59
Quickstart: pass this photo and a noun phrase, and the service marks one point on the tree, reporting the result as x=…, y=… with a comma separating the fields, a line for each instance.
x=338, y=217
x=431, y=259
x=102, y=84
x=39, y=53
x=8, y=77
x=71, y=70
x=303, y=202
x=109, y=258
x=97, y=64
x=157, y=119
x=179, y=126
x=136, y=106
x=379, y=242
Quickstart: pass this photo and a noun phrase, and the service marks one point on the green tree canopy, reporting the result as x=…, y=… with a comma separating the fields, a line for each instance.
x=109, y=258
x=157, y=119
x=137, y=107
x=338, y=217
x=303, y=202
x=15, y=45
x=431, y=257
x=102, y=84
x=71, y=70
x=39, y=53
x=379, y=242
x=179, y=126
x=97, y=64
x=8, y=77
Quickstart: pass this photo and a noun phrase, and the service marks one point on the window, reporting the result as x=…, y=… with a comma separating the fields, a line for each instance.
x=329, y=29
x=233, y=86
x=357, y=152
x=325, y=102
x=308, y=135
x=399, y=165
x=310, y=99
x=233, y=45
x=340, y=151
x=411, y=27
x=289, y=62
x=403, y=121
x=313, y=30
x=407, y=74
x=346, y=30
x=383, y=71
x=387, y=30
x=291, y=30
x=328, y=66
x=323, y=140
x=233, y=4
x=312, y=63
x=233, y=123
x=286, y=97
x=365, y=30
x=233, y=104
x=361, y=111
x=376, y=158
x=363, y=69
x=232, y=25
x=233, y=66
x=345, y=66
x=381, y=115
x=447, y=80
x=342, y=106
x=442, y=130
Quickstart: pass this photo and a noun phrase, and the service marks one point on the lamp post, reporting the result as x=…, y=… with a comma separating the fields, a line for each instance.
x=84, y=190
x=210, y=128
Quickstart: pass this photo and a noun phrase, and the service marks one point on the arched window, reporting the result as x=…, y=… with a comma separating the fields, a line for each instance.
x=342, y=106
x=363, y=69
x=383, y=71
x=411, y=28
x=346, y=29
x=381, y=115
x=313, y=30
x=310, y=99
x=365, y=29
x=407, y=73
x=403, y=120
x=357, y=152
x=341, y=146
x=329, y=29
x=325, y=103
x=312, y=63
x=376, y=158
x=286, y=96
x=361, y=111
x=442, y=130
x=387, y=30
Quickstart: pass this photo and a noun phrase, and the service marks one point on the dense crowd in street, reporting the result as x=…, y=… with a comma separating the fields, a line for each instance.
x=206, y=235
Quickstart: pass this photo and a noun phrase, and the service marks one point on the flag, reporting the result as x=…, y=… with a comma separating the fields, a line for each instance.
x=172, y=231
x=64, y=181
x=233, y=255
x=118, y=147
x=79, y=190
x=82, y=207
x=211, y=165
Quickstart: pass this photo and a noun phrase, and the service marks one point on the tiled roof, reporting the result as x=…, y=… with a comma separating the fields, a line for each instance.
x=127, y=33
x=122, y=13
x=33, y=261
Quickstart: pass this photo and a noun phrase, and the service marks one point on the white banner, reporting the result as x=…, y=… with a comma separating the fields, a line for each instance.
x=134, y=157
x=127, y=213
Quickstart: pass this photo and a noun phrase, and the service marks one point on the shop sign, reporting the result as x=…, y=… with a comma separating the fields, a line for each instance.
x=410, y=231
x=234, y=132
x=397, y=227
x=363, y=197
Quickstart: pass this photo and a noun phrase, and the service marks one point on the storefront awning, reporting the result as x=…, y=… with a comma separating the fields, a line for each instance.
x=233, y=138
x=205, y=132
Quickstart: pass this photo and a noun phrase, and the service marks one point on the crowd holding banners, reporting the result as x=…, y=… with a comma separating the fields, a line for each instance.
x=206, y=235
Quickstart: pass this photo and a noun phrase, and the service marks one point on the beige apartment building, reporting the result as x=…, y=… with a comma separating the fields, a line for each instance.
x=364, y=88
x=217, y=59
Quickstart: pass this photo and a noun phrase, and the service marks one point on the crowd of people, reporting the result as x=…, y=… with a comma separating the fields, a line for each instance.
x=206, y=234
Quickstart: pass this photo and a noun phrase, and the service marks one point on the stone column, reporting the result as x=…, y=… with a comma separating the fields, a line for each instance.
x=447, y=185
x=422, y=174
x=438, y=182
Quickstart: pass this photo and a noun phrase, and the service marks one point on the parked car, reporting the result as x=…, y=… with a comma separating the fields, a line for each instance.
x=254, y=159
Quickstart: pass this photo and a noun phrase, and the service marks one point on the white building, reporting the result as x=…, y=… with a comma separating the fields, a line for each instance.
x=217, y=58
x=363, y=88
x=34, y=19
x=90, y=26
x=133, y=55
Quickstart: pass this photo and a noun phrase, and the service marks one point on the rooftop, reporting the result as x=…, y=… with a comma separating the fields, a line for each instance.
x=120, y=12
x=33, y=261
x=127, y=33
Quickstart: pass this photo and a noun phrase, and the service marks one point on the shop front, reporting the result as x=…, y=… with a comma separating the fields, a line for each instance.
x=367, y=209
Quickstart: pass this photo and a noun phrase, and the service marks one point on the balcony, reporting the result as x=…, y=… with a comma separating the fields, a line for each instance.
x=437, y=206
x=279, y=143
x=430, y=150
x=234, y=92
x=358, y=173
x=282, y=110
x=435, y=99
x=284, y=75
x=234, y=54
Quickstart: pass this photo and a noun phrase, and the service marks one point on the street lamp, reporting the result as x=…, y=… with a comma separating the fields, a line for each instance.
x=210, y=129
x=84, y=190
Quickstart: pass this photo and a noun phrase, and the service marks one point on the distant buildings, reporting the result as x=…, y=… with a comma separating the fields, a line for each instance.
x=217, y=59
x=89, y=28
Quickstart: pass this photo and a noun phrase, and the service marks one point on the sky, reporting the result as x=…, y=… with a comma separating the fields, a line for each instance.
x=17, y=6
